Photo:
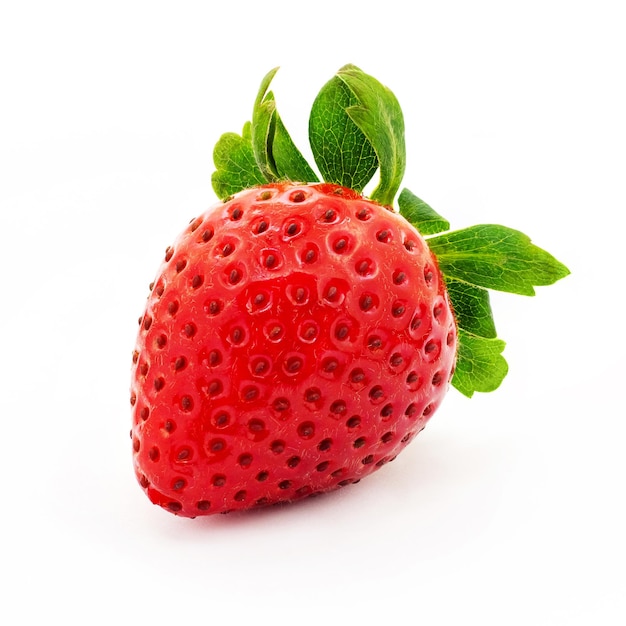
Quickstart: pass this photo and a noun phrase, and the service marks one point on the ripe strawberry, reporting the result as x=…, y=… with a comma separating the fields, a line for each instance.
x=298, y=336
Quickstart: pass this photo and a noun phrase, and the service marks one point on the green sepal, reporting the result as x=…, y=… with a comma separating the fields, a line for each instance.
x=420, y=214
x=379, y=116
x=480, y=365
x=341, y=151
x=290, y=163
x=236, y=166
x=263, y=119
x=472, y=308
x=274, y=151
x=495, y=257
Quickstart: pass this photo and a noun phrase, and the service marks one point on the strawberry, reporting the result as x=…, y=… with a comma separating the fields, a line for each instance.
x=299, y=335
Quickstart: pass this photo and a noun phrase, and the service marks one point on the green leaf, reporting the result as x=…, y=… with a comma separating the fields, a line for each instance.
x=379, y=116
x=472, y=308
x=420, y=214
x=290, y=163
x=495, y=257
x=235, y=163
x=263, y=118
x=274, y=151
x=341, y=151
x=480, y=365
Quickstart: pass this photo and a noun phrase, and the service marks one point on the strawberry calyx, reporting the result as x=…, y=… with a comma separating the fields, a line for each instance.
x=356, y=128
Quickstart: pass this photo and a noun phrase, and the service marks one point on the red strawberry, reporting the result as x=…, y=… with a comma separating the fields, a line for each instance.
x=298, y=336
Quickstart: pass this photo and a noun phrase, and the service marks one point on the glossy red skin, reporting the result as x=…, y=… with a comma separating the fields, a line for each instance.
x=276, y=363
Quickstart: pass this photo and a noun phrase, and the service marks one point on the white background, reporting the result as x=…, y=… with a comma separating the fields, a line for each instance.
x=508, y=509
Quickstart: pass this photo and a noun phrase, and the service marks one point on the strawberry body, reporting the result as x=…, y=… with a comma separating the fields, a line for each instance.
x=295, y=339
